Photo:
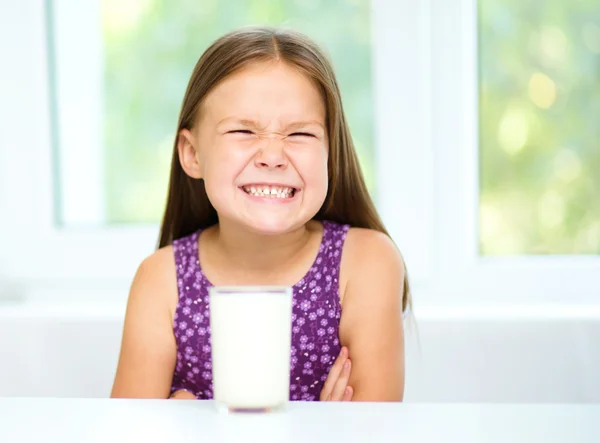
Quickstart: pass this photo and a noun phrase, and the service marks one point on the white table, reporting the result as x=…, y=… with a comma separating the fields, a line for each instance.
x=132, y=421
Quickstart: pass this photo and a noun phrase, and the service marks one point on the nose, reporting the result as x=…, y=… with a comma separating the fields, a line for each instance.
x=271, y=155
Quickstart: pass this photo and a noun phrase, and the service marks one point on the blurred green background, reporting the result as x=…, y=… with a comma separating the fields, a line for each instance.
x=539, y=131
x=151, y=47
x=539, y=126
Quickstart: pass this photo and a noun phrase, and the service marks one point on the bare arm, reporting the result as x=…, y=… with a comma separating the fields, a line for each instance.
x=371, y=324
x=148, y=348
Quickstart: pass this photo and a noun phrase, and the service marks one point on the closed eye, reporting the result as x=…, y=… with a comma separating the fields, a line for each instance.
x=241, y=131
x=302, y=134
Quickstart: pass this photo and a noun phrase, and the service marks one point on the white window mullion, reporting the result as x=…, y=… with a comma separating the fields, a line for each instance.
x=25, y=175
x=76, y=32
x=403, y=151
x=454, y=123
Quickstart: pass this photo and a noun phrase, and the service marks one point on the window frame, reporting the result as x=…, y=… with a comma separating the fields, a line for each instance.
x=460, y=271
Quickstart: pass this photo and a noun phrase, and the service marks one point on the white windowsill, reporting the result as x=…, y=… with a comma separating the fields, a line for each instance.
x=113, y=310
x=62, y=310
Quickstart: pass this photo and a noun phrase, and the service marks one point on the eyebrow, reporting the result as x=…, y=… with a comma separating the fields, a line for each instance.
x=256, y=125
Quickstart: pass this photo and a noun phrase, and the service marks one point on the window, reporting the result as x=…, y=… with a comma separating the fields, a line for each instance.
x=473, y=80
x=143, y=53
x=475, y=122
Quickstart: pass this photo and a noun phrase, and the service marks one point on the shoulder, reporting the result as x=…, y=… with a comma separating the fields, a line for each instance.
x=370, y=257
x=157, y=265
x=370, y=241
x=371, y=324
x=148, y=349
x=155, y=280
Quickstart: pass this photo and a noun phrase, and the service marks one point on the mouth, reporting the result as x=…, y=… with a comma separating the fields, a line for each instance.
x=280, y=192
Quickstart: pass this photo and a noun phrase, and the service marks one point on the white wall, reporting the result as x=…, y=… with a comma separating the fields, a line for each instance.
x=506, y=360
x=71, y=351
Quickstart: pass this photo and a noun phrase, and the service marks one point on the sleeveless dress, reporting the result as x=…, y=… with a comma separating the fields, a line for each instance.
x=316, y=313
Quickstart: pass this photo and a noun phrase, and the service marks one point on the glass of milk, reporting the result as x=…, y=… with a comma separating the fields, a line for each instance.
x=251, y=333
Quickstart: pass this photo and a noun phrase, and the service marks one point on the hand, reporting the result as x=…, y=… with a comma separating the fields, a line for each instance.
x=336, y=386
x=182, y=394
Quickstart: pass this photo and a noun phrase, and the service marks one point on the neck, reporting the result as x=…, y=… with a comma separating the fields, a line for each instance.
x=245, y=249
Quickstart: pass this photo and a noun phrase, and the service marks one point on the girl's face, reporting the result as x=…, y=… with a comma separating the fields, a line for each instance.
x=261, y=147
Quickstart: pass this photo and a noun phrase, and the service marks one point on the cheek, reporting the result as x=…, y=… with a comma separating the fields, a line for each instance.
x=319, y=162
x=319, y=172
x=313, y=165
x=221, y=167
x=223, y=162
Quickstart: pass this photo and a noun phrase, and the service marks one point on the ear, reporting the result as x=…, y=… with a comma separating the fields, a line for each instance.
x=189, y=156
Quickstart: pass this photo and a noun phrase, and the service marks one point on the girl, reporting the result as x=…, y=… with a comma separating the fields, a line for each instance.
x=266, y=188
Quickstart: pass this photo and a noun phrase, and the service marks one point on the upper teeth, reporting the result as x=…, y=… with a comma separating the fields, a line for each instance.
x=268, y=191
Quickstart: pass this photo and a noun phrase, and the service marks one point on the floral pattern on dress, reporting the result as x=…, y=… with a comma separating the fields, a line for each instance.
x=316, y=313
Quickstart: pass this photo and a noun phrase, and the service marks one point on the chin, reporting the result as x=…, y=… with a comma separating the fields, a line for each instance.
x=272, y=227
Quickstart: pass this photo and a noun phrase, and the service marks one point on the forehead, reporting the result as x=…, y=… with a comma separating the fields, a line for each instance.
x=268, y=90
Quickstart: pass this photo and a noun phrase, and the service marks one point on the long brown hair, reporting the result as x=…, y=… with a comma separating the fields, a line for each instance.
x=348, y=201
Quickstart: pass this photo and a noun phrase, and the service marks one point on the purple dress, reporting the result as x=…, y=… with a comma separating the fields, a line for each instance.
x=316, y=316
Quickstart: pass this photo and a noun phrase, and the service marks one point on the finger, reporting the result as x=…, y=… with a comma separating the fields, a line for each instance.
x=348, y=393
x=334, y=374
x=342, y=382
x=182, y=394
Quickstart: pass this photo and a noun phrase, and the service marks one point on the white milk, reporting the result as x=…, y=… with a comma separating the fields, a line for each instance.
x=251, y=332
